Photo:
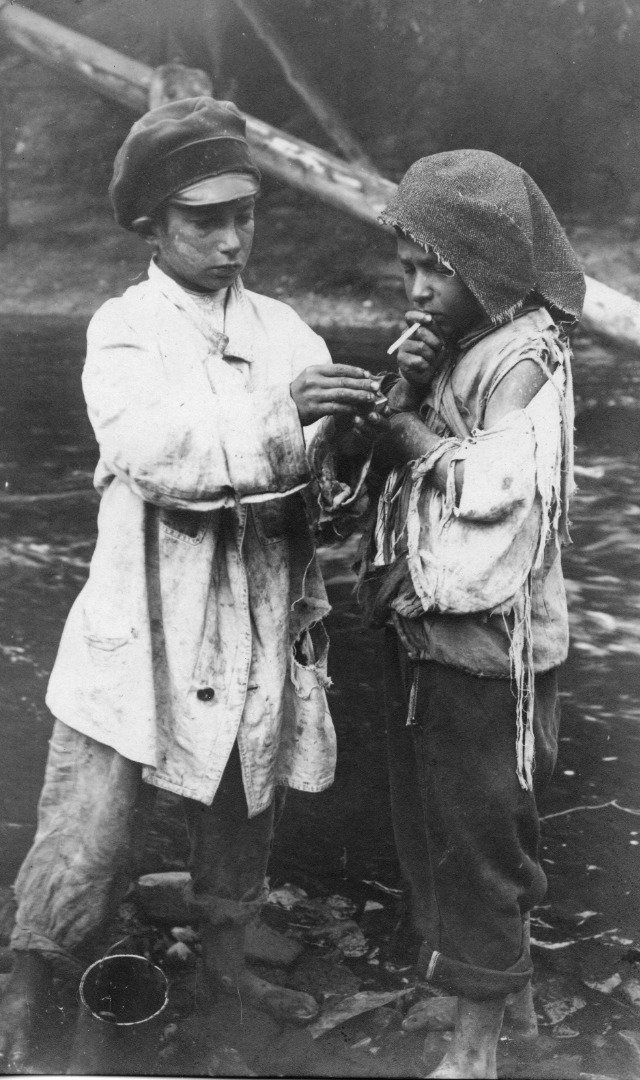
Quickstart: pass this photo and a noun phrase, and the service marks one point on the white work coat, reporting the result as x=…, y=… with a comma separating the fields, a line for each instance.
x=200, y=621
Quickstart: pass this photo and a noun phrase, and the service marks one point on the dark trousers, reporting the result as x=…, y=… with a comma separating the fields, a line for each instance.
x=467, y=835
x=229, y=850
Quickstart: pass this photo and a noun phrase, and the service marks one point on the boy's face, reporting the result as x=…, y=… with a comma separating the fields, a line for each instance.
x=432, y=288
x=204, y=248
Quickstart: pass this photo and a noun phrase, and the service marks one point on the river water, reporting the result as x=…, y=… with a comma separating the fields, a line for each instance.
x=341, y=840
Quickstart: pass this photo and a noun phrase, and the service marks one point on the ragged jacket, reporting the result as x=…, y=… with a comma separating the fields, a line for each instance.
x=200, y=622
x=483, y=587
x=475, y=582
x=469, y=559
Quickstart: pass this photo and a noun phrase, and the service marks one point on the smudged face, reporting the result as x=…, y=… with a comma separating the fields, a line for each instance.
x=204, y=248
x=433, y=287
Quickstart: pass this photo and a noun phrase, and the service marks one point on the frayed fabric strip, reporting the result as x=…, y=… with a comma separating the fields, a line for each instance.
x=470, y=981
x=63, y=963
x=419, y=471
x=522, y=674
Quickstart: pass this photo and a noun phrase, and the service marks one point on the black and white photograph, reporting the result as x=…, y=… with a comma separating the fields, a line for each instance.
x=320, y=538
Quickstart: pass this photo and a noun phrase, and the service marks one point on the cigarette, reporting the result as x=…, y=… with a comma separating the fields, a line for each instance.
x=403, y=337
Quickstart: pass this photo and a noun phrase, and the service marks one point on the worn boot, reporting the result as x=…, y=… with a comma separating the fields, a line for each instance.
x=224, y=961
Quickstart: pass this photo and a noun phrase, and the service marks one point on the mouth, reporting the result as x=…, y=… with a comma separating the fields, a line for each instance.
x=439, y=324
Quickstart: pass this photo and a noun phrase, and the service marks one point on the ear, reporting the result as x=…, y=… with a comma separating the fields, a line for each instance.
x=147, y=229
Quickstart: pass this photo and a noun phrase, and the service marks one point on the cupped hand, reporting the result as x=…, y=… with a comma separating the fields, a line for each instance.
x=420, y=357
x=334, y=390
x=372, y=427
x=403, y=397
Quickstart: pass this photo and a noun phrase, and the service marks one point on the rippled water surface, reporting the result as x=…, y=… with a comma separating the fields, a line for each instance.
x=47, y=512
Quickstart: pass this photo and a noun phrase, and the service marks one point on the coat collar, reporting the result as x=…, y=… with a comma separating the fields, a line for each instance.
x=474, y=336
x=236, y=342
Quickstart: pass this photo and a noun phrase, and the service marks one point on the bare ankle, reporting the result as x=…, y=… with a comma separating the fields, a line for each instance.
x=472, y=1052
x=520, y=1014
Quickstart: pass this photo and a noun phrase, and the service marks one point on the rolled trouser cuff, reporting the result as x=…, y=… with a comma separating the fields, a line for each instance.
x=62, y=962
x=469, y=980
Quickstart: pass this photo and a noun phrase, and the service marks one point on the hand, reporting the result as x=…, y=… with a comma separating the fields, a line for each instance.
x=372, y=427
x=333, y=390
x=397, y=439
x=403, y=397
x=421, y=356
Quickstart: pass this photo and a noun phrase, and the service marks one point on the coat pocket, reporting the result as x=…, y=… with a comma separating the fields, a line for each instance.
x=186, y=526
x=106, y=656
x=270, y=521
x=105, y=644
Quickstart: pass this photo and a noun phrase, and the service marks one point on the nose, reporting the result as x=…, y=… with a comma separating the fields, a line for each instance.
x=421, y=289
x=229, y=241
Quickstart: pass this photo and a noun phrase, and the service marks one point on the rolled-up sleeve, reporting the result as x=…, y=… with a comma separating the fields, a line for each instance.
x=178, y=447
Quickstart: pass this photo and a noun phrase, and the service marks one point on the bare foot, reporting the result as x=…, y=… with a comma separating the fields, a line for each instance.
x=21, y=1007
x=223, y=955
x=289, y=1006
x=472, y=1053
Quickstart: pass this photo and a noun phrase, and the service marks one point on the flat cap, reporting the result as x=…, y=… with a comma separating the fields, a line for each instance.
x=174, y=147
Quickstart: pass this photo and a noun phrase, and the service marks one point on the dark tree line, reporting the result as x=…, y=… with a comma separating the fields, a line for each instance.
x=551, y=84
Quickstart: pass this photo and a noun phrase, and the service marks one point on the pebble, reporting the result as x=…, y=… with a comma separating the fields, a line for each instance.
x=631, y=990
x=185, y=933
x=180, y=952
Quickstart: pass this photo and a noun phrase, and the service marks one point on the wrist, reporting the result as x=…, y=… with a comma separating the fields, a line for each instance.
x=403, y=397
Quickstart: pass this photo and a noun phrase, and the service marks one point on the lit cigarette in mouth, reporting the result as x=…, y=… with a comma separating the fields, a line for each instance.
x=409, y=332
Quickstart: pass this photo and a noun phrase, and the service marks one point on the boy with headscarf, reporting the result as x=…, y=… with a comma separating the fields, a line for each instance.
x=472, y=469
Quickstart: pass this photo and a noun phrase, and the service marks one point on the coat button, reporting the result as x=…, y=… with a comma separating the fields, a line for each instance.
x=206, y=694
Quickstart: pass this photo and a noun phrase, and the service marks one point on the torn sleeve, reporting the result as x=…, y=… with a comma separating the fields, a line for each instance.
x=476, y=555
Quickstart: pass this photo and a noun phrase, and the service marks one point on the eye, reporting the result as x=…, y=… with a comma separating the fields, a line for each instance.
x=244, y=217
x=408, y=268
x=208, y=222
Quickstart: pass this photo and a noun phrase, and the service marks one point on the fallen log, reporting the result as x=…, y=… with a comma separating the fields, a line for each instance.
x=611, y=314
x=346, y=186
x=119, y=78
x=172, y=82
x=113, y=75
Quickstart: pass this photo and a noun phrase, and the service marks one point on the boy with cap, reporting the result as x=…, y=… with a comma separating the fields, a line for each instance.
x=462, y=569
x=194, y=658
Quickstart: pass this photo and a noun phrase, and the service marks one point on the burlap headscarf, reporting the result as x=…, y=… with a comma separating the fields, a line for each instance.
x=490, y=220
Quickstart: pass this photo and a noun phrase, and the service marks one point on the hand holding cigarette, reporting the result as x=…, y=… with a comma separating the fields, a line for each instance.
x=420, y=350
x=403, y=337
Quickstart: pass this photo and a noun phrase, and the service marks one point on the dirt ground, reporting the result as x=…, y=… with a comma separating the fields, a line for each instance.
x=342, y=934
